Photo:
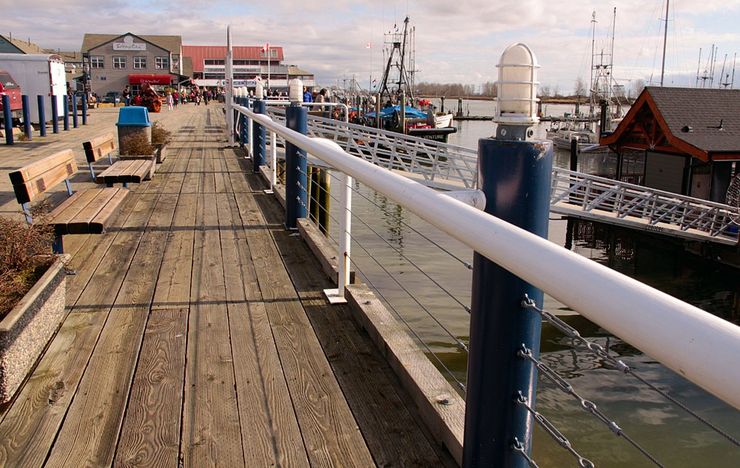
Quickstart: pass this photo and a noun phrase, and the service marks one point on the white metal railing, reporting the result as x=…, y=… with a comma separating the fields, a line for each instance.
x=455, y=165
x=434, y=161
x=588, y=193
x=697, y=345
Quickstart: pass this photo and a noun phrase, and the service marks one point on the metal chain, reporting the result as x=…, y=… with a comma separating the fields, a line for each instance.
x=587, y=405
x=518, y=447
x=554, y=432
x=618, y=364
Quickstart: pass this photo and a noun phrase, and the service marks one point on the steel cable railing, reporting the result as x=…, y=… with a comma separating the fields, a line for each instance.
x=313, y=149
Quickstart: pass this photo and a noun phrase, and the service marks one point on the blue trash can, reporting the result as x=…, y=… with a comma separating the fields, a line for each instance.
x=133, y=120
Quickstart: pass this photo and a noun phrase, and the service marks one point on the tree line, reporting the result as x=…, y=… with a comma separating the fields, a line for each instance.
x=488, y=89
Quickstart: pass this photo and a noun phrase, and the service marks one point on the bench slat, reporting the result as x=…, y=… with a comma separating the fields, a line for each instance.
x=97, y=225
x=99, y=147
x=33, y=180
x=128, y=171
x=70, y=208
x=80, y=224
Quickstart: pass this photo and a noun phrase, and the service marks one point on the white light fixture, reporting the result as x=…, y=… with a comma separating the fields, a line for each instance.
x=296, y=90
x=516, y=101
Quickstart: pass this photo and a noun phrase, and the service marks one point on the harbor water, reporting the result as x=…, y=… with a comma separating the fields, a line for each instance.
x=391, y=248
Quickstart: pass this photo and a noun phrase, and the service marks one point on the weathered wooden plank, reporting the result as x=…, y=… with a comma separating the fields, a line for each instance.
x=193, y=173
x=90, y=429
x=367, y=381
x=31, y=424
x=70, y=207
x=221, y=183
x=80, y=223
x=211, y=431
x=330, y=433
x=270, y=432
x=208, y=180
x=150, y=435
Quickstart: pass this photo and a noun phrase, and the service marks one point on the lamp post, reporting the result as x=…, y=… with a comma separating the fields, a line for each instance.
x=514, y=173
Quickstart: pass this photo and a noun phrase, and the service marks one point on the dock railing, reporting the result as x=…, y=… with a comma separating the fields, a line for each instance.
x=656, y=209
x=682, y=337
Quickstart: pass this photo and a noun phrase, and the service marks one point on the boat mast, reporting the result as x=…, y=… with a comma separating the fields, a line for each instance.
x=611, y=80
x=665, y=41
x=593, y=46
x=698, y=68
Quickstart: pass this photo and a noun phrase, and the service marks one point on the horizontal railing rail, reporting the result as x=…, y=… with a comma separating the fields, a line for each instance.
x=447, y=165
x=679, y=335
x=589, y=193
x=434, y=161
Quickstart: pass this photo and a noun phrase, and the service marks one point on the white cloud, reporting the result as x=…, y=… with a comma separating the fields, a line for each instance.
x=457, y=40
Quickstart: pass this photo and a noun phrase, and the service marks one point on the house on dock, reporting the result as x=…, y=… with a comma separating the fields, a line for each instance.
x=687, y=139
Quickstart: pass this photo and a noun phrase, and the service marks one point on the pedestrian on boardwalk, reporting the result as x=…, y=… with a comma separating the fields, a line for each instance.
x=170, y=101
x=126, y=95
x=307, y=96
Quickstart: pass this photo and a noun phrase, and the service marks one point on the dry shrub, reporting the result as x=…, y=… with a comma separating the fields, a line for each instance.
x=24, y=257
x=160, y=135
x=136, y=144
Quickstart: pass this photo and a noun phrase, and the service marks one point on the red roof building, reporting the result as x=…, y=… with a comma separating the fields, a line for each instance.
x=203, y=56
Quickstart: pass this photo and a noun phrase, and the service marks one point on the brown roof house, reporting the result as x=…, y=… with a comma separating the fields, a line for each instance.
x=689, y=139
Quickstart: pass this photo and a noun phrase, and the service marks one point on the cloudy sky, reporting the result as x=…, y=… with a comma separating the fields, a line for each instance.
x=457, y=40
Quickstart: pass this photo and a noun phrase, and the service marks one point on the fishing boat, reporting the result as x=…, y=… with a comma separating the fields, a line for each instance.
x=603, y=92
x=396, y=93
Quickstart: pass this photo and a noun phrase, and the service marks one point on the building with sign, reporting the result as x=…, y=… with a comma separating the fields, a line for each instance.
x=115, y=61
x=209, y=66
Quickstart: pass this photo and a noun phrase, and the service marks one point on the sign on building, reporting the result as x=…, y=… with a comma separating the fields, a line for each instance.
x=129, y=44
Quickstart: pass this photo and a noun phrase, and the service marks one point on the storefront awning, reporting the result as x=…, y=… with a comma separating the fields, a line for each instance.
x=150, y=78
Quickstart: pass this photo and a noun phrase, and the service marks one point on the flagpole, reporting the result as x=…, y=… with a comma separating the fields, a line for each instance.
x=268, y=66
x=229, y=82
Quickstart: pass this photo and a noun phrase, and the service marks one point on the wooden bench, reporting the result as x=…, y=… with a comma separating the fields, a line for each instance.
x=84, y=212
x=122, y=171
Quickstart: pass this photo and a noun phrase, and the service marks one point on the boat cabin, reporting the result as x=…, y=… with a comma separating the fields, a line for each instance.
x=687, y=140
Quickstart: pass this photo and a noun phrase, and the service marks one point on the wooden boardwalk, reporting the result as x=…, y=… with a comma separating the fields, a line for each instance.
x=198, y=335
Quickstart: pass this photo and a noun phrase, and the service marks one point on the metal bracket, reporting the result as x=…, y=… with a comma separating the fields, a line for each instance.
x=332, y=295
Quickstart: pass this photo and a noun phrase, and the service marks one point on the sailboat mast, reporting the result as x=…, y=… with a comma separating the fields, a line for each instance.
x=698, y=67
x=593, y=47
x=665, y=41
x=611, y=58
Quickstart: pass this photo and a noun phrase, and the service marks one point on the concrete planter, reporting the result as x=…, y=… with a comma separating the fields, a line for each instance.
x=27, y=329
x=161, y=152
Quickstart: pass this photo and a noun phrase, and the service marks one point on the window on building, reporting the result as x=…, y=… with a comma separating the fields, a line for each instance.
x=273, y=53
x=119, y=62
x=97, y=61
x=215, y=62
x=162, y=63
x=139, y=63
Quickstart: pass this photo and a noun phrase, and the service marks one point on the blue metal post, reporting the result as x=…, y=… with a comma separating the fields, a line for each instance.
x=27, y=117
x=241, y=125
x=84, y=110
x=65, y=104
x=54, y=114
x=260, y=136
x=296, y=167
x=515, y=177
x=42, y=115
x=7, y=120
x=74, y=110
